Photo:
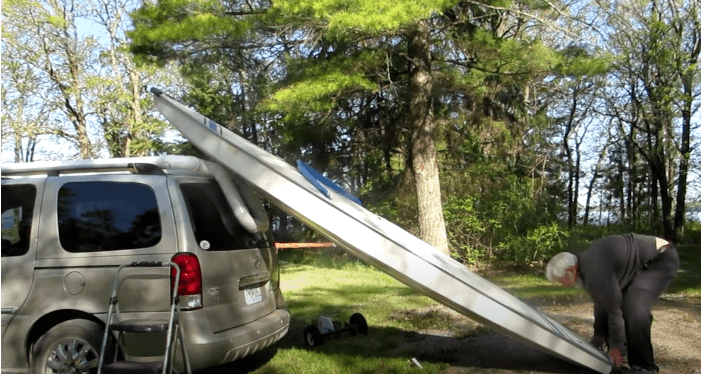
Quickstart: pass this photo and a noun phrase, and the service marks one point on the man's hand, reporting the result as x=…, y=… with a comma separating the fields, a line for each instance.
x=615, y=354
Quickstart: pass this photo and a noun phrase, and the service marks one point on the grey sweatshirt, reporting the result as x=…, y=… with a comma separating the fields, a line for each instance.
x=606, y=268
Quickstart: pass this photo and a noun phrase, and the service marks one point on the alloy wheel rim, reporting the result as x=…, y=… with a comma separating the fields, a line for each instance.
x=71, y=356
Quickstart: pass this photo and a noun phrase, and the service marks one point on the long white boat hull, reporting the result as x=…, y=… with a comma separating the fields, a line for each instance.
x=380, y=242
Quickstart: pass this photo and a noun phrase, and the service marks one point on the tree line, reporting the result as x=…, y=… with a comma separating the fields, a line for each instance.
x=491, y=129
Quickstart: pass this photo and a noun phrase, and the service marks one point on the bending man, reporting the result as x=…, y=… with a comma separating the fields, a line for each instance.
x=624, y=274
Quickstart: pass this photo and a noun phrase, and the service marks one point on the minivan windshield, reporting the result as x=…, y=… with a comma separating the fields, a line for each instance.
x=213, y=221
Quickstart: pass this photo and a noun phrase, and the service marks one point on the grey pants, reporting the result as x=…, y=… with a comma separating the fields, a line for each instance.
x=638, y=298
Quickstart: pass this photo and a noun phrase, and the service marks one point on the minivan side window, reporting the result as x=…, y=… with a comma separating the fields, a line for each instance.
x=17, y=209
x=213, y=221
x=107, y=216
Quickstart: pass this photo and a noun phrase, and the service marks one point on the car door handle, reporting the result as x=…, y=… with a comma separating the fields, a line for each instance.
x=9, y=310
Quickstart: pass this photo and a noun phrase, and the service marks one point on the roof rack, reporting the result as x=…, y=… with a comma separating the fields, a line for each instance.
x=136, y=165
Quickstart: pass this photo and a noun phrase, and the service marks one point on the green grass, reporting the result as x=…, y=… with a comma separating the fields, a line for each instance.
x=336, y=286
x=339, y=292
x=339, y=360
x=688, y=280
x=534, y=286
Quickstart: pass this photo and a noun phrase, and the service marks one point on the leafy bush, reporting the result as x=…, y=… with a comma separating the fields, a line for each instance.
x=539, y=244
x=498, y=211
x=692, y=232
x=465, y=230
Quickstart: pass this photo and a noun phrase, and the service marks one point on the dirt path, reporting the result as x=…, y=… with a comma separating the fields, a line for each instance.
x=676, y=336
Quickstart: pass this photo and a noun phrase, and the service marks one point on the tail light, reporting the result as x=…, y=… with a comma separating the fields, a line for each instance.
x=190, y=286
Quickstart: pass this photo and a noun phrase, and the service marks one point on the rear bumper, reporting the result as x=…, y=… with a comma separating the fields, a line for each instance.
x=208, y=350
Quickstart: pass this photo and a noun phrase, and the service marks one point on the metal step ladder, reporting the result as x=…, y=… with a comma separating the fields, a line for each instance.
x=171, y=327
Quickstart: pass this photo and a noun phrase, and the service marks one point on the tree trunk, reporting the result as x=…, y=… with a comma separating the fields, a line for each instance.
x=620, y=186
x=667, y=224
x=680, y=210
x=687, y=79
x=592, y=183
x=81, y=127
x=577, y=171
x=135, y=103
x=423, y=143
x=571, y=198
x=659, y=168
x=589, y=193
x=632, y=206
x=685, y=154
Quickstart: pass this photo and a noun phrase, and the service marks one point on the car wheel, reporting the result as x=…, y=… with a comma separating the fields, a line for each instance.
x=71, y=347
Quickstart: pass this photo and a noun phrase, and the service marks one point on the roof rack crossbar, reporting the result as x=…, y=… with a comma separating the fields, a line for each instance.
x=55, y=169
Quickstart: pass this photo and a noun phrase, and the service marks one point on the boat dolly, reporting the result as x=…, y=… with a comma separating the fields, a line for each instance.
x=314, y=335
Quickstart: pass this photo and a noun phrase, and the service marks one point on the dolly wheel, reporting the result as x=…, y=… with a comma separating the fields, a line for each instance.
x=361, y=326
x=312, y=336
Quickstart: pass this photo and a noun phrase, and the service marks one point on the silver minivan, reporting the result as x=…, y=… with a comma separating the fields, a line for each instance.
x=66, y=228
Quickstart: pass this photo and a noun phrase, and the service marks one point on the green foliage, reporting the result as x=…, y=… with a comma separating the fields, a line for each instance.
x=511, y=55
x=178, y=20
x=327, y=81
x=500, y=220
x=327, y=258
x=398, y=207
x=581, y=237
x=539, y=244
x=577, y=62
x=688, y=280
x=313, y=84
x=495, y=208
x=312, y=95
x=159, y=27
x=692, y=232
x=371, y=16
x=465, y=228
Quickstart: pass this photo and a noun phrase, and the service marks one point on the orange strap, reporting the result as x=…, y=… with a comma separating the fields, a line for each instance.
x=303, y=245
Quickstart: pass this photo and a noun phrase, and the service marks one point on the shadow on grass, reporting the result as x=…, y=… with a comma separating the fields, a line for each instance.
x=486, y=350
x=359, y=354
x=480, y=348
x=490, y=350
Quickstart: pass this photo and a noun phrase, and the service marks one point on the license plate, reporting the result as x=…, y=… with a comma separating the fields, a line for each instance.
x=253, y=295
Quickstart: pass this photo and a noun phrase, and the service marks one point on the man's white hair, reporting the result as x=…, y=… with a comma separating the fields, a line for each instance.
x=558, y=264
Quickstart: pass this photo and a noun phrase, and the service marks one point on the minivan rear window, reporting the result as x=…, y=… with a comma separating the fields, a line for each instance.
x=17, y=209
x=107, y=216
x=213, y=221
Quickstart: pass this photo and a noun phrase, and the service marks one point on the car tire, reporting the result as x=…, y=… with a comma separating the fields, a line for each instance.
x=71, y=347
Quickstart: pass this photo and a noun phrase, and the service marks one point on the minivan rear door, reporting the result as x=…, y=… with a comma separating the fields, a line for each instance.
x=20, y=221
x=235, y=264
